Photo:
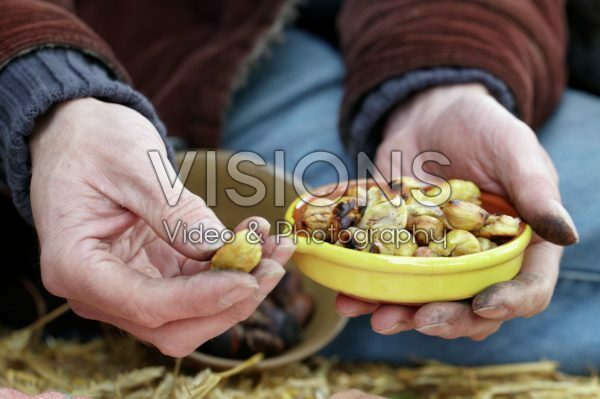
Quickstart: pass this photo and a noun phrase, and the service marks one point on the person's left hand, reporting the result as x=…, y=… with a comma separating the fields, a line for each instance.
x=488, y=145
x=112, y=245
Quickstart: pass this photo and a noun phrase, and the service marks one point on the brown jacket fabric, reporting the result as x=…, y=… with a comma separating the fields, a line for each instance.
x=521, y=42
x=188, y=56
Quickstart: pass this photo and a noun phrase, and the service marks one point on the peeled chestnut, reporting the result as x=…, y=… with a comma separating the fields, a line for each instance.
x=464, y=215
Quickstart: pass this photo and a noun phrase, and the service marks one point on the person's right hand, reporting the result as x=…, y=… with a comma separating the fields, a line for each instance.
x=99, y=210
x=488, y=145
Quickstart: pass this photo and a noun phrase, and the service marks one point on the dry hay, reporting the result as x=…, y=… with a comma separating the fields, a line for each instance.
x=118, y=367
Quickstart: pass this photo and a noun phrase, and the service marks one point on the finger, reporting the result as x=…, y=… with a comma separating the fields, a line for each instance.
x=281, y=249
x=532, y=184
x=529, y=293
x=350, y=307
x=105, y=282
x=192, y=266
x=269, y=246
x=453, y=320
x=258, y=229
x=277, y=248
x=484, y=334
x=187, y=335
x=180, y=338
x=392, y=319
x=354, y=394
x=202, y=235
x=268, y=273
x=187, y=224
x=258, y=225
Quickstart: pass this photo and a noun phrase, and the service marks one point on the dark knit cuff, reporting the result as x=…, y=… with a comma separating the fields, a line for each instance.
x=30, y=85
x=365, y=134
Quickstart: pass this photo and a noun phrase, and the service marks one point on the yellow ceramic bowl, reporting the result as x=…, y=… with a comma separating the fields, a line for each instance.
x=410, y=280
x=325, y=324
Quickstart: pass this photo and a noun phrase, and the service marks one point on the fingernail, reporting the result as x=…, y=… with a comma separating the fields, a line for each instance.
x=238, y=294
x=259, y=295
x=285, y=242
x=358, y=313
x=556, y=226
x=270, y=273
x=260, y=225
x=492, y=312
x=211, y=239
x=285, y=247
x=394, y=329
x=439, y=329
x=349, y=314
x=560, y=209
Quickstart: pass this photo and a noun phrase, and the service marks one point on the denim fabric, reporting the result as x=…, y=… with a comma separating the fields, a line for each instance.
x=292, y=102
x=572, y=138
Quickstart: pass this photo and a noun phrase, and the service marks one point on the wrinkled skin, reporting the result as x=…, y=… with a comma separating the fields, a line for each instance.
x=488, y=145
x=98, y=209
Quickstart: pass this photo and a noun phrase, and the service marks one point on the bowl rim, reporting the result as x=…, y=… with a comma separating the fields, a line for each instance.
x=408, y=264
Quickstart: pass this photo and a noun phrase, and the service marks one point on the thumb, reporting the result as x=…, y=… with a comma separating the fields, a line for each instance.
x=189, y=226
x=528, y=175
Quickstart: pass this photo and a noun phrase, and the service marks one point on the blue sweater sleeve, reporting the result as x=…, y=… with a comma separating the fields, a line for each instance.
x=379, y=102
x=30, y=85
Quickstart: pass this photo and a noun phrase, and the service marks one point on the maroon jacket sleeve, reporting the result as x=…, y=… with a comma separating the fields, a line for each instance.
x=521, y=42
x=26, y=25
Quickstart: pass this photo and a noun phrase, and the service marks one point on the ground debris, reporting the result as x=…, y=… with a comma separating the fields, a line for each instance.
x=119, y=367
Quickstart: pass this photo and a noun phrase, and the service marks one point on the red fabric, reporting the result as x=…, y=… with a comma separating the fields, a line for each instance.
x=187, y=63
x=187, y=56
x=522, y=42
x=29, y=24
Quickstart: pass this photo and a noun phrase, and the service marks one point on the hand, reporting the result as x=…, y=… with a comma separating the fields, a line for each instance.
x=99, y=210
x=488, y=145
